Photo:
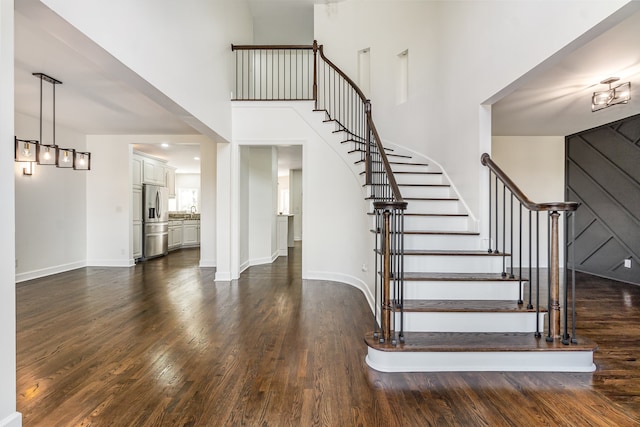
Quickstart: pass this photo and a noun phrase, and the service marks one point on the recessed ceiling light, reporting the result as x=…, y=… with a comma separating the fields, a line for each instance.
x=196, y=158
x=165, y=145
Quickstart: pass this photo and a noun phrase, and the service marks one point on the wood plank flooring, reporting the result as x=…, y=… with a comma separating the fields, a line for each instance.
x=161, y=344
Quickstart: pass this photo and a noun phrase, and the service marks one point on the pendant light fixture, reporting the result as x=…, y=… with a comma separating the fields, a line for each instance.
x=30, y=151
x=48, y=152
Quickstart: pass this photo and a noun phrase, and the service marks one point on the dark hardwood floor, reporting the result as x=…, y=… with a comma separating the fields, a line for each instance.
x=161, y=344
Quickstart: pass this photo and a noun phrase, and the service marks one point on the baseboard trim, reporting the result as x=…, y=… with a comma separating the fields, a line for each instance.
x=110, y=263
x=207, y=263
x=13, y=420
x=222, y=276
x=35, y=274
x=342, y=278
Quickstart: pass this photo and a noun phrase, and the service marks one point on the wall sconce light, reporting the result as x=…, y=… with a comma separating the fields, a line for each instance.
x=619, y=94
x=28, y=168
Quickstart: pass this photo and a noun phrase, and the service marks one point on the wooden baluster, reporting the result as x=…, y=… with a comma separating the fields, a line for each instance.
x=315, y=73
x=386, y=278
x=367, y=163
x=554, y=285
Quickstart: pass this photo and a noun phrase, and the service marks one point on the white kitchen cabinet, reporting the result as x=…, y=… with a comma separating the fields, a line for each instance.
x=136, y=202
x=170, y=174
x=136, y=172
x=175, y=234
x=153, y=172
x=191, y=233
x=137, y=240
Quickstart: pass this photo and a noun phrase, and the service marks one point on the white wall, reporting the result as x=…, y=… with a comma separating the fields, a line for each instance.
x=182, y=48
x=536, y=165
x=50, y=206
x=295, y=200
x=108, y=206
x=8, y=414
x=461, y=54
x=208, y=204
x=337, y=241
x=243, y=207
x=262, y=186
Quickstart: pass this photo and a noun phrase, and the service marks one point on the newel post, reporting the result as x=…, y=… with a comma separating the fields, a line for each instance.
x=554, y=285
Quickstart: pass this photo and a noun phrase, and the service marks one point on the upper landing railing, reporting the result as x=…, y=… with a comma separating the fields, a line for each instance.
x=303, y=72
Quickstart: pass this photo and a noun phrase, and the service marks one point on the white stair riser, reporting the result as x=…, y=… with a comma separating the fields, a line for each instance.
x=462, y=290
x=470, y=322
x=408, y=168
x=428, y=192
x=419, y=178
x=452, y=264
x=439, y=241
x=450, y=223
x=489, y=361
x=434, y=206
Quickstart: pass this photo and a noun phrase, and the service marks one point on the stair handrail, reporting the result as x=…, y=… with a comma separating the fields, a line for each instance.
x=397, y=195
x=486, y=160
x=277, y=76
x=554, y=212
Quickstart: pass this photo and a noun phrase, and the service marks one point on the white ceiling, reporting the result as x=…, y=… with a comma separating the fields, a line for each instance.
x=558, y=101
x=100, y=96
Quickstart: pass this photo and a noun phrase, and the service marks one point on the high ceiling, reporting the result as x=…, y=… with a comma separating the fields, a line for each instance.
x=558, y=101
x=94, y=99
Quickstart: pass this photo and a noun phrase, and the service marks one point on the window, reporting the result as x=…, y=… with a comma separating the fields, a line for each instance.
x=188, y=200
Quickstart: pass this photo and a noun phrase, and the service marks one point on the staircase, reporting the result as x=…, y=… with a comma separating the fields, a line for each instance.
x=443, y=302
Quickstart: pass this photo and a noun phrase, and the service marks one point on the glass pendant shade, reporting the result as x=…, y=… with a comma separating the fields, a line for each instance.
x=26, y=150
x=81, y=160
x=65, y=157
x=48, y=154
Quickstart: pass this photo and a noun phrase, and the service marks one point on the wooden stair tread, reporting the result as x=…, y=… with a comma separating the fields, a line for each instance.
x=443, y=232
x=437, y=232
x=446, y=252
x=467, y=306
x=408, y=173
x=424, y=185
x=359, y=150
x=477, y=342
x=429, y=214
x=446, y=199
x=459, y=277
x=395, y=163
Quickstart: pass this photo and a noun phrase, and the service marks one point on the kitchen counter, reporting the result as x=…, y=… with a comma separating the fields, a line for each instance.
x=180, y=215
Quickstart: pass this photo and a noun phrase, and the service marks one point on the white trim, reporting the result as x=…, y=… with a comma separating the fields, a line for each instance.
x=35, y=274
x=344, y=279
x=244, y=266
x=222, y=276
x=489, y=361
x=206, y=263
x=13, y=420
x=110, y=263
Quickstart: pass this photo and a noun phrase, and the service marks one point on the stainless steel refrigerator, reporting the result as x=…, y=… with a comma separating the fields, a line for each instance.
x=155, y=221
